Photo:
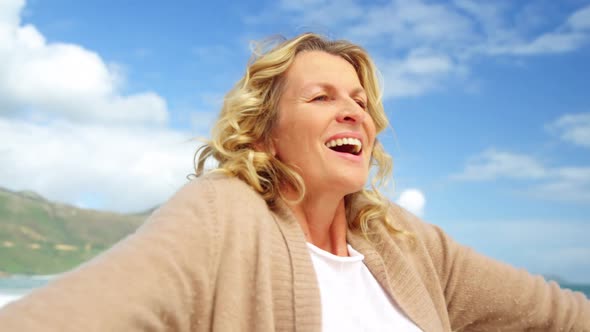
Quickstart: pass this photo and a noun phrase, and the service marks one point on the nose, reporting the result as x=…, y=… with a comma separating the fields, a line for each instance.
x=352, y=113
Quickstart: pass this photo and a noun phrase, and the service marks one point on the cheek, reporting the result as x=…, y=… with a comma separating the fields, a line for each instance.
x=371, y=128
x=287, y=143
x=295, y=148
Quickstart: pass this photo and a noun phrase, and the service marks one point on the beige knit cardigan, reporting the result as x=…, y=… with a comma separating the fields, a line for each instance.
x=214, y=257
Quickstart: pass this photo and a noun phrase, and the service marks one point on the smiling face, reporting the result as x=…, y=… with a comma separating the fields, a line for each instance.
x=324, y=130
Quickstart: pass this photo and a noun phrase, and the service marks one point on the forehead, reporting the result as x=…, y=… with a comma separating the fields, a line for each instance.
x=317, y=67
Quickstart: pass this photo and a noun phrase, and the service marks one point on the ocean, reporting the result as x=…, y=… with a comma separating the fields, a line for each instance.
x=579, y=288
x=14, y=287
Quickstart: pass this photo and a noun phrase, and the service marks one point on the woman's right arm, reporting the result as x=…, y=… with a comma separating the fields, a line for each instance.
x=150, y=281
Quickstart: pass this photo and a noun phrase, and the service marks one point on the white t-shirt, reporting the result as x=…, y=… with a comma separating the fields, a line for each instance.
x=352, y=299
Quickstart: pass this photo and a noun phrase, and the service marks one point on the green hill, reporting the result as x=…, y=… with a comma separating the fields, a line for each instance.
x=42, y=237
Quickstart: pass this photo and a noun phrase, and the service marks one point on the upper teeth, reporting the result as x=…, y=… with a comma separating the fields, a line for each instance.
x=345, y=141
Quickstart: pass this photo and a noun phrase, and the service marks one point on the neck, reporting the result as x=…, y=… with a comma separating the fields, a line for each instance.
x=323, y=220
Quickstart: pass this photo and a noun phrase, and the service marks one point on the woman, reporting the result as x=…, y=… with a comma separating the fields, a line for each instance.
x=283, y=235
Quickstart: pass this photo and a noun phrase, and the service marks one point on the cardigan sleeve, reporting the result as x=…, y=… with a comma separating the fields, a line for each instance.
x=486, y=295
x=148, y=282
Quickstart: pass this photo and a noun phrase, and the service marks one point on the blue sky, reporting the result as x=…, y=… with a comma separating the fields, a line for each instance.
x=488, y=102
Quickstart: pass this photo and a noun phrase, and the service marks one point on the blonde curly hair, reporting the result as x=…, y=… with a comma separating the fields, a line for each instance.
x=241, y=136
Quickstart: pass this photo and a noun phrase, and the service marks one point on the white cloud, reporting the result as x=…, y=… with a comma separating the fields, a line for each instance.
x=492, y=164
x=550, y=247
x=418, y=73
x=569, y=36
x=68, y=131
x=126, y=169
x=412, y=200
x=578, y=174
x=65, y=80
x=571, y=184
x=573, y=128
x=455, y=33
x=564, y=183
x=321, y=12
x=487, y=15
x=580, y=20
x=415, y=23
x=306, y=15
x=9, y=14
x=546, y=43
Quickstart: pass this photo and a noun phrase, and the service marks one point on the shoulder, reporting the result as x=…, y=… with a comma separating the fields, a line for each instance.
x=437, y=246
x=206, y=212
x=417, y=239
x=207, y=203
x=407, y=221
x=215, y=191
x=214, y=202
x=212, y=183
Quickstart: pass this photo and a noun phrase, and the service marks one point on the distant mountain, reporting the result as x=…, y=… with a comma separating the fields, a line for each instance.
x=553, y=277
x=38, y=236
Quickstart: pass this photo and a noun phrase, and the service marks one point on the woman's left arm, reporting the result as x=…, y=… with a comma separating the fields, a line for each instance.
x=483, y=294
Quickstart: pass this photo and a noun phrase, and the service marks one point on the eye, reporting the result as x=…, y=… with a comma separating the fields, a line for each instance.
x=321, y=98
x=362, y=104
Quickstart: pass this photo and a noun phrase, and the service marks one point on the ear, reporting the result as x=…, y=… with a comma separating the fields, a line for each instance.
x=260, y=147
x=272, y=148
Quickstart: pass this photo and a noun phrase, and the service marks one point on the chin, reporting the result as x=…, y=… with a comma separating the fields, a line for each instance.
x=352, y=186
x=357, y=189
x=339, y=182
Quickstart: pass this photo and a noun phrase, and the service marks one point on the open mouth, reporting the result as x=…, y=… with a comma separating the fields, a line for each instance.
x=346, y=145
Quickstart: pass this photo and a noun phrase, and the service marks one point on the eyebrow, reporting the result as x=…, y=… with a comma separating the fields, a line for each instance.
x=328, y=86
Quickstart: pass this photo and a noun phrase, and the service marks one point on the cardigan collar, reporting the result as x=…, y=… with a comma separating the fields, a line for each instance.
x=306, y=294
x=389, y=265
x=386, y=261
